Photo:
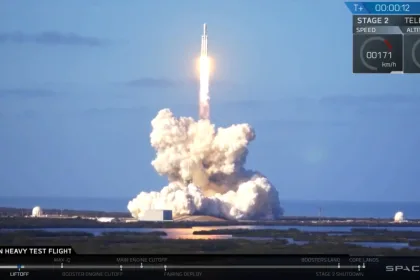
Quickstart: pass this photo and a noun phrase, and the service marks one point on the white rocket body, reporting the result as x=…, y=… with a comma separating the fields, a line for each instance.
x=204, y=41
x=204, y=100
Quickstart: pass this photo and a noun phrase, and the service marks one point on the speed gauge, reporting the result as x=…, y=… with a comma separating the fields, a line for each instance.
x=377, y=53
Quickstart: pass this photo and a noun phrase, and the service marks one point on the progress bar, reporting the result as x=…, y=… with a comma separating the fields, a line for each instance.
x=173, y=267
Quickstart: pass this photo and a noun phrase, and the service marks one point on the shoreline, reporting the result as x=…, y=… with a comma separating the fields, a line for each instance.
x=16, y=218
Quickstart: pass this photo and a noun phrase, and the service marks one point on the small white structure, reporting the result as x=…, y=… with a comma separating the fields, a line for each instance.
x=131, y=220
x=157, y=215
x=106, y=219
x=399, y=217
x=37, y=211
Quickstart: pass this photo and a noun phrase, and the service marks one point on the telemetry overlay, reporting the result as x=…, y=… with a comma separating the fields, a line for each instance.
x=386, y=37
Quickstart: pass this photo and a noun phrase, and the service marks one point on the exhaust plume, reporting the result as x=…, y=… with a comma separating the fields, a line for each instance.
x=205, y=170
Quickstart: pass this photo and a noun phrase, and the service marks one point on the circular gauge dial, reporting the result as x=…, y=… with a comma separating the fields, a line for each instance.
x=377, y=53
x=415, y=53
x=372, y=55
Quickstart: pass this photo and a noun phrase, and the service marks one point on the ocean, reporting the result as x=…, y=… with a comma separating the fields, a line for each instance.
x=352, y=209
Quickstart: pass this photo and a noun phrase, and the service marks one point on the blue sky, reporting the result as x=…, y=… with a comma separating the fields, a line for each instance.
x=81, y=80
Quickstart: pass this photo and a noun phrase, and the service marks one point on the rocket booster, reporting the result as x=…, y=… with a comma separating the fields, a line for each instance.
x=204, y=97
x=204, y=41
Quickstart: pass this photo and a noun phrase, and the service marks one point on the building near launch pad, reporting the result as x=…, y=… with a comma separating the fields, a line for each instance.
x=157, y=215
x=37, y=212
x=106, y=219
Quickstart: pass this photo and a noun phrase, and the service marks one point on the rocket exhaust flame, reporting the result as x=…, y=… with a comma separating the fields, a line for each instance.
x=204, y=97
x=205, y=166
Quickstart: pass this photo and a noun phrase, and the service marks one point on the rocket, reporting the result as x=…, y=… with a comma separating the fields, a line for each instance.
x=204, y=41
x=204, y=97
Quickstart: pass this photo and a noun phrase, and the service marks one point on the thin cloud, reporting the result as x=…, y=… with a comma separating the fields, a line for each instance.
x=305, y=123
x=153, y=83
x=26, y=93
x=50, y=38
x=214, y=83
x=111, y=111
x=373, y=98
x=148, y=82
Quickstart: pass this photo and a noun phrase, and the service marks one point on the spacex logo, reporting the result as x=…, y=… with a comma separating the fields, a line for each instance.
x=406, y=268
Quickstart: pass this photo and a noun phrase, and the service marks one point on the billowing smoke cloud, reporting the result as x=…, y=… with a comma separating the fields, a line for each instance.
x=205, y=169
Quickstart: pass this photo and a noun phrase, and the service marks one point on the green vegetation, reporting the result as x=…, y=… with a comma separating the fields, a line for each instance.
x=133, y=233
x=146, y=243
x=14, y=237
x=17, y=222
x=414, y=243
x=14, y=218
x=386, y=232
x=251, y=233
x=44, y=233
x=42, y=223
x=19, y=212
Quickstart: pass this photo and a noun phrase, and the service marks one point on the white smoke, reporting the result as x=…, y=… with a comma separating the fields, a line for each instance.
x=399, y=217
x=205, y=169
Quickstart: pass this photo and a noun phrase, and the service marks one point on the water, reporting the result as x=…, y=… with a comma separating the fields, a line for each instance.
x=174, y=233
x=340, y=229
x=292, y=208
x=394, y=245
x=338, y=233
x=187, y=233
